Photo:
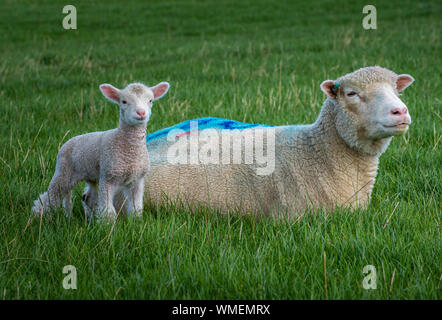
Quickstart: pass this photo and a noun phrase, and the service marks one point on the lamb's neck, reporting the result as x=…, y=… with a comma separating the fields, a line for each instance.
x=132, y=135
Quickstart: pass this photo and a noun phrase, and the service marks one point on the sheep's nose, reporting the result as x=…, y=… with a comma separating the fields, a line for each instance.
x=399, y=111
x=141, y=113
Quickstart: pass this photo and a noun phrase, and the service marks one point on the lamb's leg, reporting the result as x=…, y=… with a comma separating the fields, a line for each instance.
x=67, y=203
x=56, y=192
x=120, y=200
x=138, y=197
x=59, y=190
x=41, y=205
x=90, y=199
x=106, y=192
x=129, y=204
x=134, y=198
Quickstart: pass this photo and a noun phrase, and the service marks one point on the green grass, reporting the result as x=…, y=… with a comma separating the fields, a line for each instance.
x=251, y=61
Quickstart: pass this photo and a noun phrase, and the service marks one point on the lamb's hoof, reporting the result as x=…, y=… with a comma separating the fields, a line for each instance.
x=89, y=213
x=38, y=208
x=137, y=214
x=105, y=216
x=105, y=219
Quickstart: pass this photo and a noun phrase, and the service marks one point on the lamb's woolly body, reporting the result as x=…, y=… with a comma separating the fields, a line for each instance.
x=109, y=161
x=118, y=155
x=326, y=164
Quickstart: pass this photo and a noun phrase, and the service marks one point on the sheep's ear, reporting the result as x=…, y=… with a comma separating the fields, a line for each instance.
x=110, y=92
x=160, y=90
x=328, y=87
x=403, y=81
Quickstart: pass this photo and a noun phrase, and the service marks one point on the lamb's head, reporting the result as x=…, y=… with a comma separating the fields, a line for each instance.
x=369, y=107
x=135, y=100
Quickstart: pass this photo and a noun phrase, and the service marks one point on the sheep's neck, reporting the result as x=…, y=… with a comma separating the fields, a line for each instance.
x=352, y=172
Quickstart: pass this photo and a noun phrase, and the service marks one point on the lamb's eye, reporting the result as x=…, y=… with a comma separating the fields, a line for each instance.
x=351, y=94
x=151, y=100
x=124, y=101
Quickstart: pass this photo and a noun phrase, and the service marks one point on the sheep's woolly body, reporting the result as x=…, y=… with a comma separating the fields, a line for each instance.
x=314, y=167
x=326, y=164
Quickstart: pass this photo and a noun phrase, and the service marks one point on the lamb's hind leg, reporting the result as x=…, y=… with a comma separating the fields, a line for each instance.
x=67, y=203
x=59, y=192
x=90, y=199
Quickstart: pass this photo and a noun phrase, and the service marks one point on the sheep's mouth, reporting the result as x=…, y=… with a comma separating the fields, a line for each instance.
x=400, y=126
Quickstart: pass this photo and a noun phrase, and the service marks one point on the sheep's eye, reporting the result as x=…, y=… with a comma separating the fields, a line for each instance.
x=151, y=100
x=124, y=101
x=351, y=94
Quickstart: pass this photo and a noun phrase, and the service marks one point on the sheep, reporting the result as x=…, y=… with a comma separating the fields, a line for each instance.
x=328, y=164
x=108, y=161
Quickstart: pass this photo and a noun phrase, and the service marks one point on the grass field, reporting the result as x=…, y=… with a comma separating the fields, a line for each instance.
x=252, y=61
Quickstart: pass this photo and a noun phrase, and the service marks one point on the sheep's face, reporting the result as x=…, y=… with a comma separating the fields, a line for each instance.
x=135, y=100
x=373, y=108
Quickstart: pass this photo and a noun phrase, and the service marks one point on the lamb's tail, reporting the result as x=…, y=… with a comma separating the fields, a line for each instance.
x=41, y=205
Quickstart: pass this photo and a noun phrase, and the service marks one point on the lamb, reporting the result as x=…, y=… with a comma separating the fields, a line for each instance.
x=109, y=161
x=330, y=163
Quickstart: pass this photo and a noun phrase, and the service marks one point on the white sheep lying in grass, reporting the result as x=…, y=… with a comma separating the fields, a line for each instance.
x=332, y=162
x=110, y=161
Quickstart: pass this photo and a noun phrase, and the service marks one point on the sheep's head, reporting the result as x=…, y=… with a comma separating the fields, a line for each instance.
x=369, y=102
x=135, y=100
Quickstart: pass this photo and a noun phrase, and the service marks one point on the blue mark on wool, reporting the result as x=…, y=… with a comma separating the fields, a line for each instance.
x=204, y=123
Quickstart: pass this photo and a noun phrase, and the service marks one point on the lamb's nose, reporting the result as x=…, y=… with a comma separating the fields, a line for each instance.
x=399, y=111
x=141, y=113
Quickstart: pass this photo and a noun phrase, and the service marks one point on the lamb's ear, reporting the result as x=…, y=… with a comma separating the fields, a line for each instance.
x=110, y=92
x=403, y=81
x=329, y=88
x=160, y=90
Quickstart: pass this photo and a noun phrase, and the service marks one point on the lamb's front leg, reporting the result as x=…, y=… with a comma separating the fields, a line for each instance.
x=134, y=198
x=106, y=193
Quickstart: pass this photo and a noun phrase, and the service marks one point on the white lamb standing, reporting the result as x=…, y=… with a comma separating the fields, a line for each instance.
x=109, y=161
x=330, y=163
